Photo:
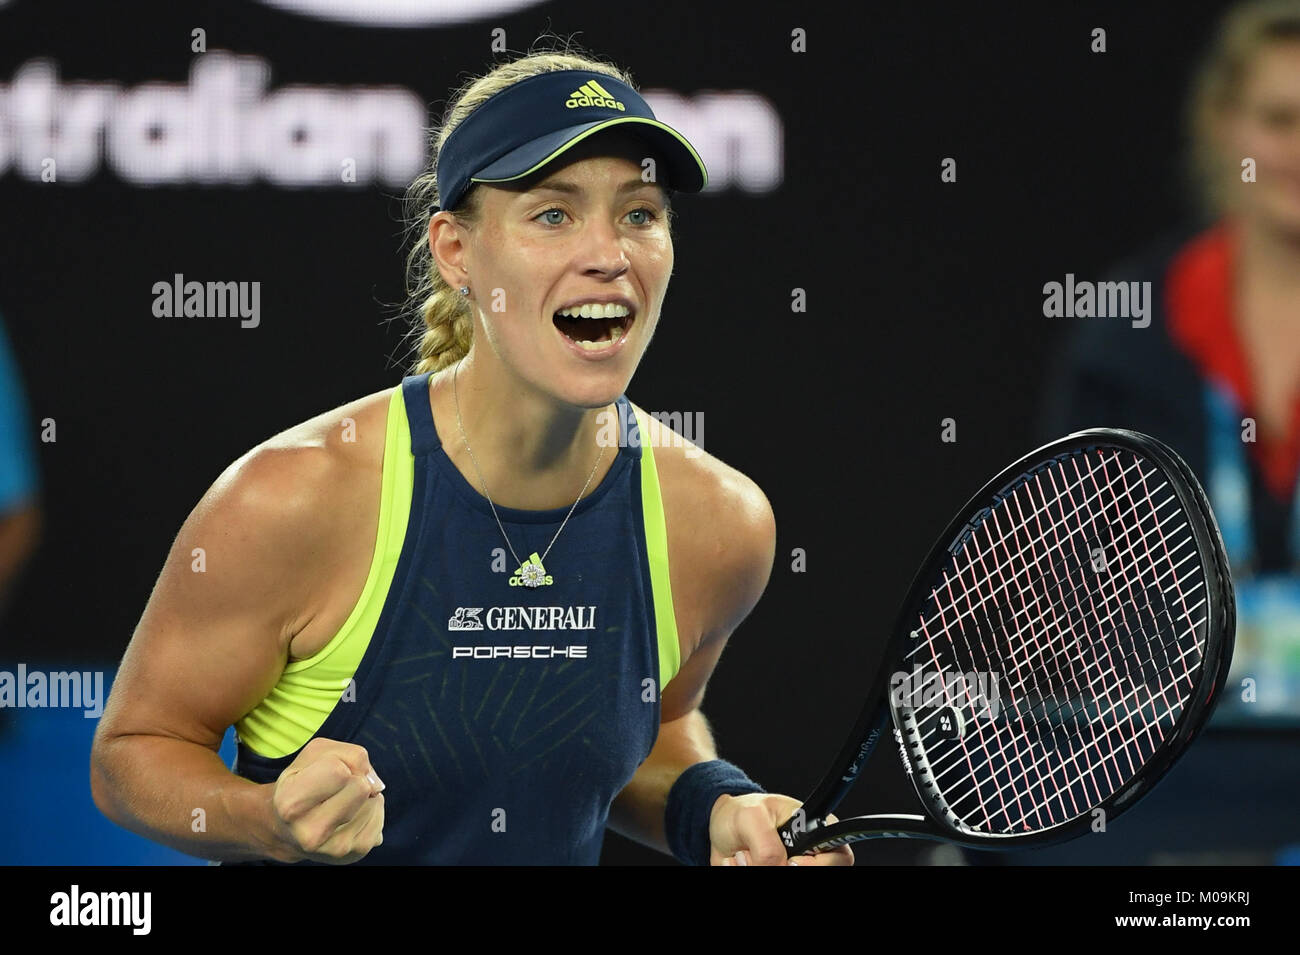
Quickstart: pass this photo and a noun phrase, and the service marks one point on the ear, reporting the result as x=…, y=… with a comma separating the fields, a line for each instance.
x=447, y=246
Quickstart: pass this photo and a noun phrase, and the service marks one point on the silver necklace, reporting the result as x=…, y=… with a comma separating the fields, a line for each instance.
x=531, y=573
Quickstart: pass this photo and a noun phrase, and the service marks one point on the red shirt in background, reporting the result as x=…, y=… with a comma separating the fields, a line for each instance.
x=1198, y=296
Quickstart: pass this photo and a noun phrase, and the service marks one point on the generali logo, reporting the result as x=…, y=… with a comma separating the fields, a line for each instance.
x=523, y=618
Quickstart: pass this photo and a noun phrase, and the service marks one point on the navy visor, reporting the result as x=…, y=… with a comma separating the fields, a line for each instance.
x=527, y=125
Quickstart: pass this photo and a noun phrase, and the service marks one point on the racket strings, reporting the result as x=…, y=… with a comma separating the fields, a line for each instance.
x=1050, y=691
x=1072, y=601
x=1020, y=701
x=1026, y=570
x=1003, y=618
x=1045, y=732
x=1079, y=589
x=1051, y=683
x=1048, y=743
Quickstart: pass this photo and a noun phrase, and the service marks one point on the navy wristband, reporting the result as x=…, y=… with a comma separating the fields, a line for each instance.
x=690, y=804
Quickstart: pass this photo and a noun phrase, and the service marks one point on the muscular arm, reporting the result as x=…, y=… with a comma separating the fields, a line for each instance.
x=211, y=643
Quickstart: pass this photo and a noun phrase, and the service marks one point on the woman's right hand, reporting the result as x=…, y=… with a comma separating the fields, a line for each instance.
x=329, y=804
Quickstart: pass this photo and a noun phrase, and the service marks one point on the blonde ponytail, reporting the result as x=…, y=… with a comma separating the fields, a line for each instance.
x=448, y=329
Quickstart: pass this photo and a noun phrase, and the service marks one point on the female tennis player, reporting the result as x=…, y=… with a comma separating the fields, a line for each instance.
x=470, y=619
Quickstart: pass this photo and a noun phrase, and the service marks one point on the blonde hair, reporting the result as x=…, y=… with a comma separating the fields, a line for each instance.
x=1244, y=33
x=441, y=316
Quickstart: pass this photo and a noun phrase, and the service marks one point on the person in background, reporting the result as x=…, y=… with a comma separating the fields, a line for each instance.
x=1216, y=374
x=20, y=512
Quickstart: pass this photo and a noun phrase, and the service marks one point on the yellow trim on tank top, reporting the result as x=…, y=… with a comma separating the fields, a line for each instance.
x=309, y=689
x=656, y=544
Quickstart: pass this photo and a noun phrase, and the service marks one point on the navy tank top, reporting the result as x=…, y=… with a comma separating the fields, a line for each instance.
x=504, y=719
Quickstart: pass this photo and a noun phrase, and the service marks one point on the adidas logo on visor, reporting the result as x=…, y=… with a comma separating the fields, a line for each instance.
x=592, y=93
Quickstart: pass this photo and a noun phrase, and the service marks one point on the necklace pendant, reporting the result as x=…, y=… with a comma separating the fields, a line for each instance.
x=533, y=574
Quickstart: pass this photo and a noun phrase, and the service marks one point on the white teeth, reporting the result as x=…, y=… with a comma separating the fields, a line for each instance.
x=618, y=326
x=595, y=311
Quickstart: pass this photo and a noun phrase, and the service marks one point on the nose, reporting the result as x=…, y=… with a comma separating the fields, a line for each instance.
x=602, y=249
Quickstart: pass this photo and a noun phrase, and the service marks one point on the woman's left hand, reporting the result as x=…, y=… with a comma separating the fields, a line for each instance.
x=742, y=830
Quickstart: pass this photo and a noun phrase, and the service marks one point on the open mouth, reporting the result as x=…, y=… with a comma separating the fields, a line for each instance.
x=594, y=333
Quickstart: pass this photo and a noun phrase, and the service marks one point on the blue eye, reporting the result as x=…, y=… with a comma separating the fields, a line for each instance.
x=649, y=213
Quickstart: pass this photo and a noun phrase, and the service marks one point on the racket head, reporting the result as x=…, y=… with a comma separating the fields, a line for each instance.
x=1088, y=582
x=1106, y=669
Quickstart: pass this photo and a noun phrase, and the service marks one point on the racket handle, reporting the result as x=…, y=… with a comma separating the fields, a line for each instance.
x=842, y=833
x=833, y=787
x=795, y=830
x=811, y=816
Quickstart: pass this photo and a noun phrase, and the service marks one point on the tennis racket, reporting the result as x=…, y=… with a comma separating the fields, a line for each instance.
x=1060, y=648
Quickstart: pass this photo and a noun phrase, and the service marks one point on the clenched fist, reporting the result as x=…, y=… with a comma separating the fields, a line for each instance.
x=329, y=804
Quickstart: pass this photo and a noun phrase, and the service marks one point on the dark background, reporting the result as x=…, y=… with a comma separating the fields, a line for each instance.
x=924, y=298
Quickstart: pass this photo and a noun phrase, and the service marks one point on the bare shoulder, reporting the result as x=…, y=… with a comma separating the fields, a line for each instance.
x=307, y=500
x=309, y=464
x=258, y=564
x=721, y=532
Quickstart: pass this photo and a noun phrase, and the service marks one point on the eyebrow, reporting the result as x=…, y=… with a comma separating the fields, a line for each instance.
x=572, y=188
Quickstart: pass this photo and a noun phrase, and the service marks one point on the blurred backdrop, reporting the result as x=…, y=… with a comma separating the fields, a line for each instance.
x=919, y=171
